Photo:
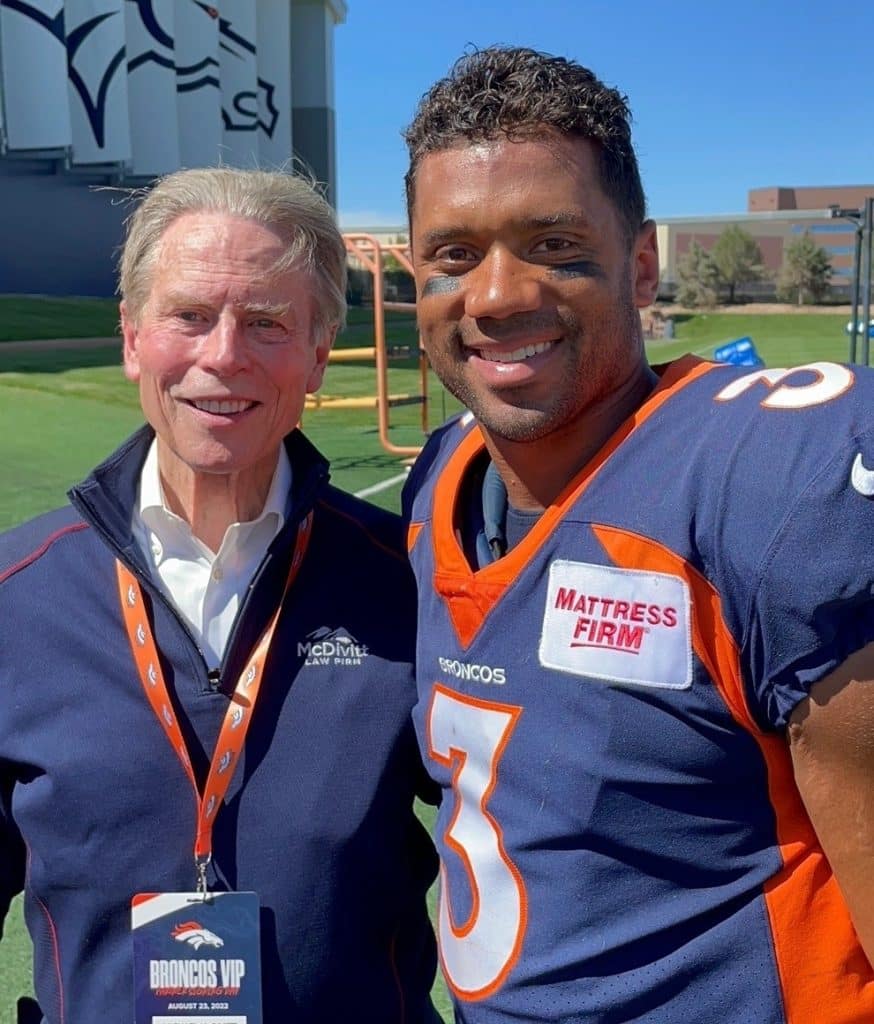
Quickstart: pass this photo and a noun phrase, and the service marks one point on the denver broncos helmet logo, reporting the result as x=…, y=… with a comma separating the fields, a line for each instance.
x=196, y=935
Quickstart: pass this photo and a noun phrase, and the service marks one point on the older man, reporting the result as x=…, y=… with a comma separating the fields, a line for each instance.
x=646, y=662
x=207, y=587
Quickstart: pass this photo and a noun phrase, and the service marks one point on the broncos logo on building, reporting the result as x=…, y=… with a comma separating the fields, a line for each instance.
x=243, y=113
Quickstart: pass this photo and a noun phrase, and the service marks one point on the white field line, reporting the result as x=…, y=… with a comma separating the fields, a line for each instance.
x=381, y=486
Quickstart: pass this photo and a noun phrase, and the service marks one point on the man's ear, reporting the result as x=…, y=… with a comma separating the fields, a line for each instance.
x=645, y=265
x=130, y=350
x=324, y=342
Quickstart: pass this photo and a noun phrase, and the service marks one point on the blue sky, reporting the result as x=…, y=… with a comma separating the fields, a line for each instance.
x=726, y=96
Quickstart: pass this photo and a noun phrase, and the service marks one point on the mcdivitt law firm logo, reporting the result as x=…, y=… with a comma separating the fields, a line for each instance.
x=330, y=647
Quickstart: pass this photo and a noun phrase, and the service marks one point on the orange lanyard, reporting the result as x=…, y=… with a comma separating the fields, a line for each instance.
x=240, y=709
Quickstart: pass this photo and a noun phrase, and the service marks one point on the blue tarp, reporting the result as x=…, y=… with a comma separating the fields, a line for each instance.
x=740, y=352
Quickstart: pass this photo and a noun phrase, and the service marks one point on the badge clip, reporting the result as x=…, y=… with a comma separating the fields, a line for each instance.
x=201, y=864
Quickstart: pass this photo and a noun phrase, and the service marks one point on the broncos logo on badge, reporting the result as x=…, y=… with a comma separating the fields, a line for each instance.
x=195, y=935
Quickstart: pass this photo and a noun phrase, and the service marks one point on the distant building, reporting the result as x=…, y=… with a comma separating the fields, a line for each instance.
x=118, y=92
x=774, y=217
x=807, y=197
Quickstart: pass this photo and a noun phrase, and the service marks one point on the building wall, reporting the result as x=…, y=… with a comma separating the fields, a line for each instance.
x=175, y=71
x=838, y=236
x=60, y=235
x=312, y=63
x=773, y=230
x=808, y=197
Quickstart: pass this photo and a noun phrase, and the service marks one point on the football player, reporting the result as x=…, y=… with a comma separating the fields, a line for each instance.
x=646, y=626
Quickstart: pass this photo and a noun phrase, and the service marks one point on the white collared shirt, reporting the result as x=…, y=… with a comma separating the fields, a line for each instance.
x=206, y=589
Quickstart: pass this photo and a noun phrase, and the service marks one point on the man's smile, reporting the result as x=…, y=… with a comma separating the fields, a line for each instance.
x=517, y=355
x=222, y=407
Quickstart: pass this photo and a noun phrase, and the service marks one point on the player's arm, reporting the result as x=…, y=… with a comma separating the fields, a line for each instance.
x=831, y=738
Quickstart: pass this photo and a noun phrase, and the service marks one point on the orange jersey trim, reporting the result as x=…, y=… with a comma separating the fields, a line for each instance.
x=824, y=975
x=470, y=594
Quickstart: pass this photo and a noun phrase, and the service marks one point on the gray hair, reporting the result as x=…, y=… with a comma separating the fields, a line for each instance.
x=285, y=203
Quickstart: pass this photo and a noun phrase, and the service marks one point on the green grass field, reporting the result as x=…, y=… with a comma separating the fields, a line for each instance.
x=62, y=411
x=24, y=317
x=782, y=339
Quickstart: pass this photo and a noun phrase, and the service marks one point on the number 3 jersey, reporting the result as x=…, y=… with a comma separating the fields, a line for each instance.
x=606, y=707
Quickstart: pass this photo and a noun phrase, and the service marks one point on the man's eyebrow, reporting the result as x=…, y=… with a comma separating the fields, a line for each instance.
x=274, y=309
x=172, y=300
x=440, y=236
x=178, y=300
x=558, y=219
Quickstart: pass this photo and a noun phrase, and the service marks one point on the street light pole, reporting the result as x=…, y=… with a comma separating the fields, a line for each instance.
x=862, y=221
x=854, y=299
x=867, y=231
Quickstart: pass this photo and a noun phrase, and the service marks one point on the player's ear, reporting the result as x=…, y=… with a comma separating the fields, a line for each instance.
x=130, y=350
x=645, y=265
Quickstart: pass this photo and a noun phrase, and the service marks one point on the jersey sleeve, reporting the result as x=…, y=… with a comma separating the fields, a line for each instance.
x=813, y=605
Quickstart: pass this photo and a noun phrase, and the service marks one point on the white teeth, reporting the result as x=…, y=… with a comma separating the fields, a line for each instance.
x=517, y=355
x=223, y=408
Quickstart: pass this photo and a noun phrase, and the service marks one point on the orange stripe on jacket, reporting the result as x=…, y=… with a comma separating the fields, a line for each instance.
x=824, y=974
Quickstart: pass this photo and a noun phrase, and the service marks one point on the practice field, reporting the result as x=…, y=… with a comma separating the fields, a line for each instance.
x=782, y=339
x=62, y=411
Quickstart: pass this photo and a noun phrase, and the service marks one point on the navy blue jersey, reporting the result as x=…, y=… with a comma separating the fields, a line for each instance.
x=605, y=708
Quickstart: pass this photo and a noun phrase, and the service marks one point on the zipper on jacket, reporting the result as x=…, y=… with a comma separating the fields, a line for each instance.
x=298, y=511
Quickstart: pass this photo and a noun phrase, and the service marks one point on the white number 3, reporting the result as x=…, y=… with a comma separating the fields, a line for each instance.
x=829, y=381
x=469, y=736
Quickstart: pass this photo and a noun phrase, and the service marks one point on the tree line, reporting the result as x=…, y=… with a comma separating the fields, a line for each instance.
x=735, y=260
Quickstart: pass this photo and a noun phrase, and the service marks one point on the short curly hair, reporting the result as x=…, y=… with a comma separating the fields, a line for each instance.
x=520, y=93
